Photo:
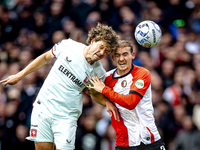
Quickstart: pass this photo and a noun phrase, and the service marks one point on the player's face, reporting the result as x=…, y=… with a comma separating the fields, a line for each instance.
x=123, y=59
x=98, y=50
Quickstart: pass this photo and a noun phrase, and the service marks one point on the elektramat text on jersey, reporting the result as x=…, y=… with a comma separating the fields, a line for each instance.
x=71, y=76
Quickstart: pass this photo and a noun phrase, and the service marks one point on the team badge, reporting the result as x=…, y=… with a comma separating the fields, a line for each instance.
x=139, y=84
x=124, y=83
x=86, y=80
x=33, y=133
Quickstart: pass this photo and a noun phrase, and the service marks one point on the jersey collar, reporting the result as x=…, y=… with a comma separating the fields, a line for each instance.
x=115, y=72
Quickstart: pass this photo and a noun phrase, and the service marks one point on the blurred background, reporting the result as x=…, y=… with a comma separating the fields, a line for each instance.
x=29, y=28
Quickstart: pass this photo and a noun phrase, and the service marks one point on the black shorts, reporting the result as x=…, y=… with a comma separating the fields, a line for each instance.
x=158, y=145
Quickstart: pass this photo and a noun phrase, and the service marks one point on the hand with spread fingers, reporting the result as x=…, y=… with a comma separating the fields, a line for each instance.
x=98, y=84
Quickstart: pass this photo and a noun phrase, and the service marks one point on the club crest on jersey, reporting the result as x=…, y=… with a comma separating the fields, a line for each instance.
x=139, y=84
x=33, y=133
x=86, y=80
x=124, y=83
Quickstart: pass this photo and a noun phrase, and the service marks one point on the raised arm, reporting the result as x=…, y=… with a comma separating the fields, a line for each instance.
x=36, y=64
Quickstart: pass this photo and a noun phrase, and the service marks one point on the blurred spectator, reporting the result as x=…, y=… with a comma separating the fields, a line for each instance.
x=167, y=71
x=189, y=137
x=3, y=69
x=193, y=43
x=28, y=28
x=108, y=141
x=20, y=141
x=196, y=110
x=58, y=36
x=165, y=121
x=26, y=20
x=25, y=57
x=87, y=137
x=173, y=93
x=81, y=9
x=40, y=24
x=92, y=19
x=54, y=21
x=9, y=28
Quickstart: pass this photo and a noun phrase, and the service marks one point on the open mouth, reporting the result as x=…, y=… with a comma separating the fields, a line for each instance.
x=121, y=64
x=98, y=56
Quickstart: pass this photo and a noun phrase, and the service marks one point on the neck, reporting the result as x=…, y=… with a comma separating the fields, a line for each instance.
x=123, y=72
x=87, y=55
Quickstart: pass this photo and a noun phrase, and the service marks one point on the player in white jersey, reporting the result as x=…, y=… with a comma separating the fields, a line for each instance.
x=59, y=102
x=129, y=87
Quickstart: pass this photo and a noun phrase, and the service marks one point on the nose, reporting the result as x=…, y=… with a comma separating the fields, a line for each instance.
x=121, y=57
x=102, y=51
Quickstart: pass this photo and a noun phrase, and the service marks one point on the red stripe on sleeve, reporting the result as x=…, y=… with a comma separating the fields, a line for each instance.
x=53, y=53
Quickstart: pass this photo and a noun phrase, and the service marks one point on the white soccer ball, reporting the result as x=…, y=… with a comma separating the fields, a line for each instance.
x=148, y=33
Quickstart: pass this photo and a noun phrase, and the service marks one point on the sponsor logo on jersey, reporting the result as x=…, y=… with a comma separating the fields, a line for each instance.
x=139, y=84
x=34, y=125
x=124, y=83
x=148, y=138
x=72, y=77
x=68, y=141
x=33, y=133
x=68, y=59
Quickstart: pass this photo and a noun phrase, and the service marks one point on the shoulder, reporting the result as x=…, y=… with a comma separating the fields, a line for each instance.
x=70, y=41
x=110, y=73
x=140, y=71
x=98, y=66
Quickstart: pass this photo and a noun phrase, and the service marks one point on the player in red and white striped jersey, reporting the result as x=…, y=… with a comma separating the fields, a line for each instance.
x=129, y=87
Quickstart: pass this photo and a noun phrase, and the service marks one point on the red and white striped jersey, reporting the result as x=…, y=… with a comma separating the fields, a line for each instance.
x=131, y=93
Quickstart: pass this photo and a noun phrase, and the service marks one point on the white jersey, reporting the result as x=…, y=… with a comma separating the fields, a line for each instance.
x=60, y=96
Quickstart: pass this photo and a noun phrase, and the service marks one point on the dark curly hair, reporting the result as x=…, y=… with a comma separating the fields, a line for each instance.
x=104, y=33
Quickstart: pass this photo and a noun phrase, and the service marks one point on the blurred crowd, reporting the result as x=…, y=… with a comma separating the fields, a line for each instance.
x=29, y=28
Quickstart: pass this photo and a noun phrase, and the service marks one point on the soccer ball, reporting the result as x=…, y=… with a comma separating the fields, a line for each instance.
x=148, y=33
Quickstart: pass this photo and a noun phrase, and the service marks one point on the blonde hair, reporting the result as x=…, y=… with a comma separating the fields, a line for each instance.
x=123, y=43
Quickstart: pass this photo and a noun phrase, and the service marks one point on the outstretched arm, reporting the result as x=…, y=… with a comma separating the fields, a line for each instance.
x=36, y=64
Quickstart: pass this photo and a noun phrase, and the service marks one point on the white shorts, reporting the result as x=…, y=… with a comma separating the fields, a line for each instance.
x=47, y=129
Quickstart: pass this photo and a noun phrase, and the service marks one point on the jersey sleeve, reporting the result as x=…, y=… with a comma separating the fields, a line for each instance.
x=128, y=101
x=138, y=88
x=141, y=84
x=57, y=48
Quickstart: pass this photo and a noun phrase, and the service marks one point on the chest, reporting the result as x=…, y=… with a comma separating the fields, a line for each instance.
x=121, y=85
x=73, y=70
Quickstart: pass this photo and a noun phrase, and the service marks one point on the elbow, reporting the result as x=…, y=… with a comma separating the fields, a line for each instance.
x=130, y=107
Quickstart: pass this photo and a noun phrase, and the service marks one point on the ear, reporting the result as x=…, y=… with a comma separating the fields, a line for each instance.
x=112, y=57
x=133, y=55
x=93, y=40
